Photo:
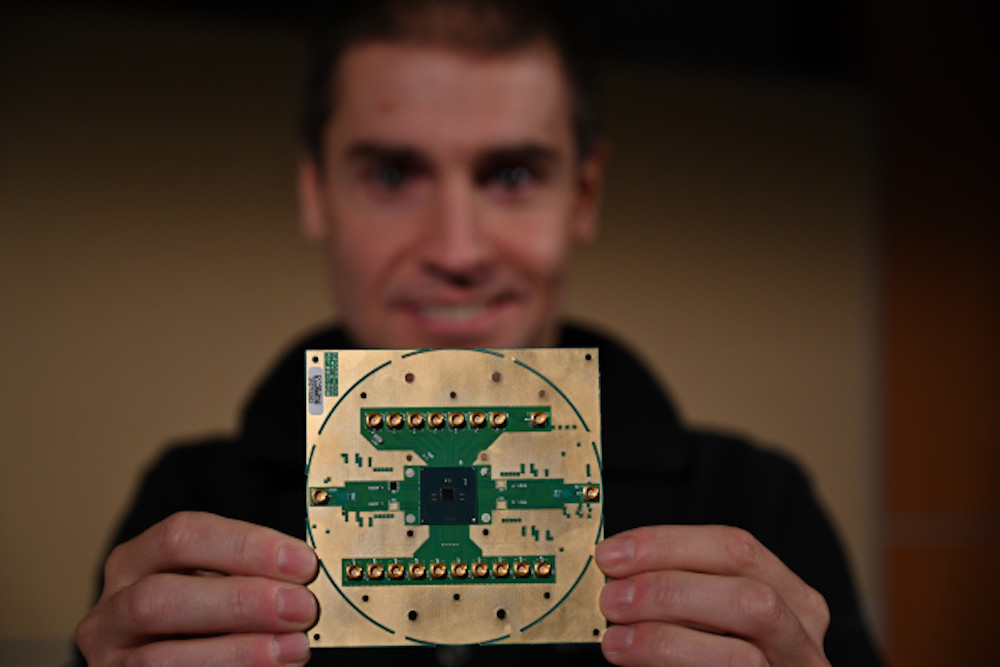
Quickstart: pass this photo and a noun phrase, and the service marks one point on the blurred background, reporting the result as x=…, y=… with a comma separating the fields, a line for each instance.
x=799, y=235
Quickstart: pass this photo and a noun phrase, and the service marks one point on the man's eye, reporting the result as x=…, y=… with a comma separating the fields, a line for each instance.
x=512, y=178
x=389, y=176
x=515, y=176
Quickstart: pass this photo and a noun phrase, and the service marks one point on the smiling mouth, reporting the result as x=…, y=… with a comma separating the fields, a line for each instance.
x=455, y=313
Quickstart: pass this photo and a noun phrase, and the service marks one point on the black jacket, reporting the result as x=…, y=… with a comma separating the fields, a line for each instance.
x=689, y=477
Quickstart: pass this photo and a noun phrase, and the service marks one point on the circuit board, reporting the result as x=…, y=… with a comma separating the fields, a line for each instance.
x=454, y=496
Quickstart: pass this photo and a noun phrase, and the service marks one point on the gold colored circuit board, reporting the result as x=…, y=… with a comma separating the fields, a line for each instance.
x=454, y=496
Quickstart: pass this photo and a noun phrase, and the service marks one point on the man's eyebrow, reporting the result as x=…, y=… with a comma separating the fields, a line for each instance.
x=530, y=153
x=370, y=151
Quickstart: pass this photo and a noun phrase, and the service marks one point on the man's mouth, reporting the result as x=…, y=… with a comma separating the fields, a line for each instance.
x=462, y=323
x=452, y=313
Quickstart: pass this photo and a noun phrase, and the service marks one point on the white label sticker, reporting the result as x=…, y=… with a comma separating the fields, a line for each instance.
x=314, y=390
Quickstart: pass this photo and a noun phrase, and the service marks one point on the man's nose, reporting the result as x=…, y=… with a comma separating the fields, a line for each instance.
x=456, y=247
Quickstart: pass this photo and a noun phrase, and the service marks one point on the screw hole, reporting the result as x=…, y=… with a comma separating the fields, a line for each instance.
x=457, y=597
x=316, y=636
x=315, y=360
x=453, y=394
x=364, y=394
x=409, y=533
x=589, y=357
x=412, y=615
x=364, y=598
x=596, y=632
x=548, y=595
x=486, y=531
x=408, y=377
x=501, y=614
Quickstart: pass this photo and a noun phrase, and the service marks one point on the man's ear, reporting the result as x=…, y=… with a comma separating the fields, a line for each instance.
x=312, y=209
x=591, y=189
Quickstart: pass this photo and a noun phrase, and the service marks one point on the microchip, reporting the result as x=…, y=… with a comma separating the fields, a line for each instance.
x=447, y=495
x=454, y=496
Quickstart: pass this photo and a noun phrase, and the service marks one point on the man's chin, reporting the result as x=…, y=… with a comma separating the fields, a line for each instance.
x=501, y=326
x=493, y=340
x=503, y=334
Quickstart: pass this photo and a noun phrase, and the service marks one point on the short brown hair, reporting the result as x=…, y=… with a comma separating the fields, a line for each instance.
x=474, y=26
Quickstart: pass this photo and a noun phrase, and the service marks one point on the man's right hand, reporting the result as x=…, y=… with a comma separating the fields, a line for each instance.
x=164, y=602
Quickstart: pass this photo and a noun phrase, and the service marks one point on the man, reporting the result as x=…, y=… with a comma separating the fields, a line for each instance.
x=450, y=166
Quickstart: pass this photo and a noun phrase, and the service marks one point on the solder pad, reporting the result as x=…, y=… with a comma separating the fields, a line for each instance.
x=454, y=496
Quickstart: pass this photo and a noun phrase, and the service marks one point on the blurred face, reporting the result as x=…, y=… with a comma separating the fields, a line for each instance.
x=450, y=196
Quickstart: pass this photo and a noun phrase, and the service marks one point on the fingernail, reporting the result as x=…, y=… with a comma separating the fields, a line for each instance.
x=291, y=648
x=618, y=638
x=296, y=604
x=296, y=560
x=619, y=594
x=614, y=552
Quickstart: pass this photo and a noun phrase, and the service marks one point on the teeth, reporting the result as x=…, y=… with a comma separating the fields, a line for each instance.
x=442, y=312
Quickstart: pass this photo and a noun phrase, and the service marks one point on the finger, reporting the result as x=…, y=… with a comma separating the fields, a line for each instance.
x=712, y=549
x=259, y=650
x=719, y=550
x=189, y=541
x=176, y=604
x=665, y=645
x=746, y=608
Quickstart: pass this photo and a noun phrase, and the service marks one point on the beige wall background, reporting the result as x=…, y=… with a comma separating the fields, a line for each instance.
x=151, y=269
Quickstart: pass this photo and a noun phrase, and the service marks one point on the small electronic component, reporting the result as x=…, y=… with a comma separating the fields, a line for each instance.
x=448, y=486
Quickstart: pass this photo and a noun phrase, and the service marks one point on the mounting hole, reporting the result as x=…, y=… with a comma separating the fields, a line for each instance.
x=501, y=614
x=408, y=377
x=589, y=356
x=364, y=598
x=315, y=360
x=453, y=394
x=547, y=595
x=486, y=531
x=597, y=632
x=496, y=376
x=412, y=615
x=316, y=636
x=364, y=394
x=456, y=596
x=409, y=533
x=541, y=394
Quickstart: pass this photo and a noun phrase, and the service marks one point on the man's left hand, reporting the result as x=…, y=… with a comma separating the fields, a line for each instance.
x=706, y=595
